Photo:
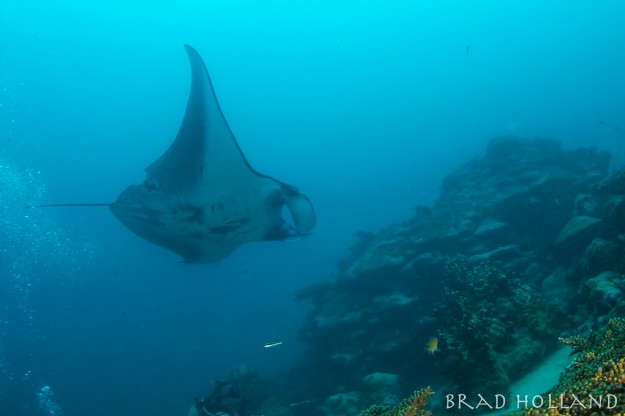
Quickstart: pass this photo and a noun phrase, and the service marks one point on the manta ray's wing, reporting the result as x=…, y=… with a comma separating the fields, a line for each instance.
x=204, y=147
x=201, y=198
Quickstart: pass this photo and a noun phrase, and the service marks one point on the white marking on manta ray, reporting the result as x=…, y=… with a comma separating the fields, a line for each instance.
x=201, y=199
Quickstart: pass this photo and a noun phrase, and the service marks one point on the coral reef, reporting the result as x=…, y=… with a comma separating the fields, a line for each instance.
x=525, y=244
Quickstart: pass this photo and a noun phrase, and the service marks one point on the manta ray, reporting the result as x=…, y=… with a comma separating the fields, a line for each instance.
x=201, y=199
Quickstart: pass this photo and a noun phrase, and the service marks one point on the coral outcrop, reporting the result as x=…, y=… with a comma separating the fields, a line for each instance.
x=489, y=322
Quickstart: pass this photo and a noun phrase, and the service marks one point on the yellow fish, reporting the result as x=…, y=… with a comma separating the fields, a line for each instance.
x=432, y=345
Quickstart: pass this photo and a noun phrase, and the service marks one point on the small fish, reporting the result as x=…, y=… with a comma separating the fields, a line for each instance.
x=432, y=345
x=273, y=344
x=468, y=46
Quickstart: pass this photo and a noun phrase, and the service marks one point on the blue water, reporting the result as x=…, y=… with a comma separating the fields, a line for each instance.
x=364, y=106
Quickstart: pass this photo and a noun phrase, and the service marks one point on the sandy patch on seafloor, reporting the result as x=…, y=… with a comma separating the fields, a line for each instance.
x=539, y=380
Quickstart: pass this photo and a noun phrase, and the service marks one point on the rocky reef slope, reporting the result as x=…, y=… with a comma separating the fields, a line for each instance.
x=525, y=244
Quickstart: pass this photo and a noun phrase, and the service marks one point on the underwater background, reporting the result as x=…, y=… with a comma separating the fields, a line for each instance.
x=364, y=106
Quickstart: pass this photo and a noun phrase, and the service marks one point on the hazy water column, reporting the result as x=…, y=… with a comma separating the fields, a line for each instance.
x=31, y=247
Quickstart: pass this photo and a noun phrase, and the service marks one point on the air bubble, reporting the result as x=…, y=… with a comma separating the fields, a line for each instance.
x=45, y=398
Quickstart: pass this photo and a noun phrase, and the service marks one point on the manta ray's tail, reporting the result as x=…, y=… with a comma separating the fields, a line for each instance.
x=69, y=205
